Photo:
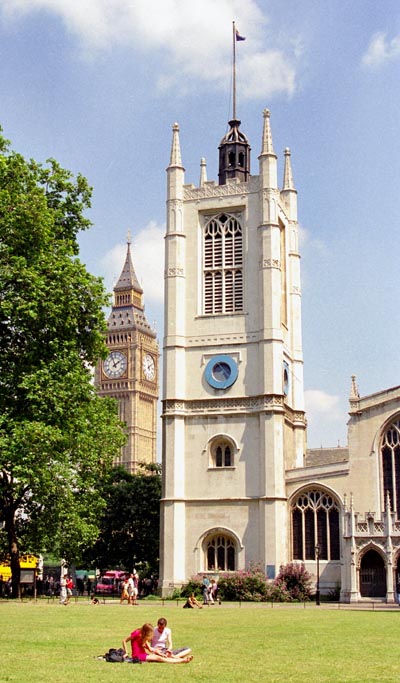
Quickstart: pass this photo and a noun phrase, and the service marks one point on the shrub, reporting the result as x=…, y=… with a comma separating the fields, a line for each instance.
x=193, y=586
x=246, y=585
x=295, y=580
x=251, y=585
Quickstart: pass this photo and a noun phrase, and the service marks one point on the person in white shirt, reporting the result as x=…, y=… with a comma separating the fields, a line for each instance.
x=162, y=640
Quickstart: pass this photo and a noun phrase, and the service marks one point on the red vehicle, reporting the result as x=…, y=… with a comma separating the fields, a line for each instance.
x=110, y=582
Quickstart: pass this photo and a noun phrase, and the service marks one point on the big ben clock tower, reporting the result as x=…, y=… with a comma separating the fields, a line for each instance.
x=130, y=371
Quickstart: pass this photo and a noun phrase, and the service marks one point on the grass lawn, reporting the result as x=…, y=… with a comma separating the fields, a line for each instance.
x=49, y=643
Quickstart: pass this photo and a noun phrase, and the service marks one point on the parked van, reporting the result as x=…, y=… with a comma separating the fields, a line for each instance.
x=110, y=582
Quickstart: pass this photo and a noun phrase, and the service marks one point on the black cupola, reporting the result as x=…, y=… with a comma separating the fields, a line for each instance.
x=234, y=155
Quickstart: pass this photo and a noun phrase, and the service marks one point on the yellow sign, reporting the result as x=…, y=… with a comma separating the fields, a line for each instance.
x=25, y=562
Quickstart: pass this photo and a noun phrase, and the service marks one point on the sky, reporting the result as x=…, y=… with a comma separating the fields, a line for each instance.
x=98, y=84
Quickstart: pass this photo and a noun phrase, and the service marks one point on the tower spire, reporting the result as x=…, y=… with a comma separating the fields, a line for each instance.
x=268, y=158
x=128, y=289
x=203, y=172
x=175, y=159
x=267, y=145
x=288, y=183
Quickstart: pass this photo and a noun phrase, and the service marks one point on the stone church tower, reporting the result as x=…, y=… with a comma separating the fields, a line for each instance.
x=130, y=371
x=233, y=410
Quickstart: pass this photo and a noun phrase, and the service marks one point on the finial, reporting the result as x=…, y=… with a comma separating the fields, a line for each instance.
x=129, y=237
x=354, y=394
x=388, y=503
x=175, y=159
x=203, y=172
x=288, y=183
x=267, y=146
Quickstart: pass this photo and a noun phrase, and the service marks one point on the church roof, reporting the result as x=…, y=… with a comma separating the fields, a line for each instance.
x=324, y=456
x=234, y=134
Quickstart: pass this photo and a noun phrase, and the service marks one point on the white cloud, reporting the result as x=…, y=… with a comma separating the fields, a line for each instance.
x=320, y=402
x=326, y=417
x=381, y=50
x=147, y=252
x=190, y=39
x=308, y=242
x=264, y=73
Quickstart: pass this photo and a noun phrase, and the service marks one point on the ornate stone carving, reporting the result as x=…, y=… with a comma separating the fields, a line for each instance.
x=175, y=272
x=210, y=189
x=271, y=263
x=252, y=404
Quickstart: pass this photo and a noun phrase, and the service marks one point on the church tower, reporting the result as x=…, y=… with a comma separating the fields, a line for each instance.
x=233, y=410
x=130, y=371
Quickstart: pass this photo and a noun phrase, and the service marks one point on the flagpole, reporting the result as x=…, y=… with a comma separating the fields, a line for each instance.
x=234, y=72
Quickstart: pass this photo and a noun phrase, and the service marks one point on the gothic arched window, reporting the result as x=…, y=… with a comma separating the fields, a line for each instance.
x=390, y=453
x=223, y=265
x=221, y=453
x=315, y=520
x=220, y=553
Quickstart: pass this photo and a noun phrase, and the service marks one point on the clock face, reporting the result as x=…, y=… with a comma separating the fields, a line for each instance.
x=115, y=364
x=221, y=372
x=149, y=368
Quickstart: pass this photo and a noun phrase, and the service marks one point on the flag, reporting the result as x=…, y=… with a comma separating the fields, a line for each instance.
x=238, y=36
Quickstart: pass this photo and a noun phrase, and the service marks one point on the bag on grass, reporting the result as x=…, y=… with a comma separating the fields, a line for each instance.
x=115, y=655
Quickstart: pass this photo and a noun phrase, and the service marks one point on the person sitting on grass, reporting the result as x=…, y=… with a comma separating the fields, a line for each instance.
x=140, y=640
x=162, y=641
x=191, y=603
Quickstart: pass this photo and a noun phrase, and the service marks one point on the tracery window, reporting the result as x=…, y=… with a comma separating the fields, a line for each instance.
x=390, y=452
x=223, y=265
x=315, y=519
x=220, y=553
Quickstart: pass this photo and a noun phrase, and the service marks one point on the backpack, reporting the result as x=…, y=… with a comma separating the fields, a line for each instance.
x=115, y=655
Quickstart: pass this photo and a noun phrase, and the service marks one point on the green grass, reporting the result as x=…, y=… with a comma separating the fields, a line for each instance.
x=49, y=643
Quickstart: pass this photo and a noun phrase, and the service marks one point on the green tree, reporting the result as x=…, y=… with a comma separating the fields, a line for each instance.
x=57, y=436
x=130, y=524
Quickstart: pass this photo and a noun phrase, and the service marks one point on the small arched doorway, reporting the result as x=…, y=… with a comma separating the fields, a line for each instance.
x=372, y=575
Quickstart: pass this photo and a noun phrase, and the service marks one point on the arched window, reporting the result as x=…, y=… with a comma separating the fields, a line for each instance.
x=223, y=265
x=221, y=453
x=315, y=520
x=390, y=453
x=220, y=553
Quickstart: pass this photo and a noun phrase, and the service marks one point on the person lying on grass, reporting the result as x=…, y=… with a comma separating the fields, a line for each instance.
x=162, y=641
x=140, y=640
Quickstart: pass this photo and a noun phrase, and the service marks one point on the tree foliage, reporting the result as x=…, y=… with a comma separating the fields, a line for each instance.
x=130, y=523
x=57, y=435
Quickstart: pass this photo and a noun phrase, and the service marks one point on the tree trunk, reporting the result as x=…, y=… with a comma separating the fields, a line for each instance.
x=13, y=549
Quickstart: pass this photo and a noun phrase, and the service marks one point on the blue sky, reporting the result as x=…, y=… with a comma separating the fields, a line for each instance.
x=97, y=84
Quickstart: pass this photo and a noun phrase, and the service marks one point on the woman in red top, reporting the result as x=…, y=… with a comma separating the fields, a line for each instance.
x=141, y=647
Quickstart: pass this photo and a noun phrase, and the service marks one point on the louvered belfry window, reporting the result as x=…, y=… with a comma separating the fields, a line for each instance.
x=223, y=265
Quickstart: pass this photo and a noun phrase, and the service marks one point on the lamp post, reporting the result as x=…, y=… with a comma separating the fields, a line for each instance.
x=317, y=551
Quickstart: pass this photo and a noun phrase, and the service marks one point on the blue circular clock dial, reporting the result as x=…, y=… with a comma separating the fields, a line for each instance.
x=221, y=372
